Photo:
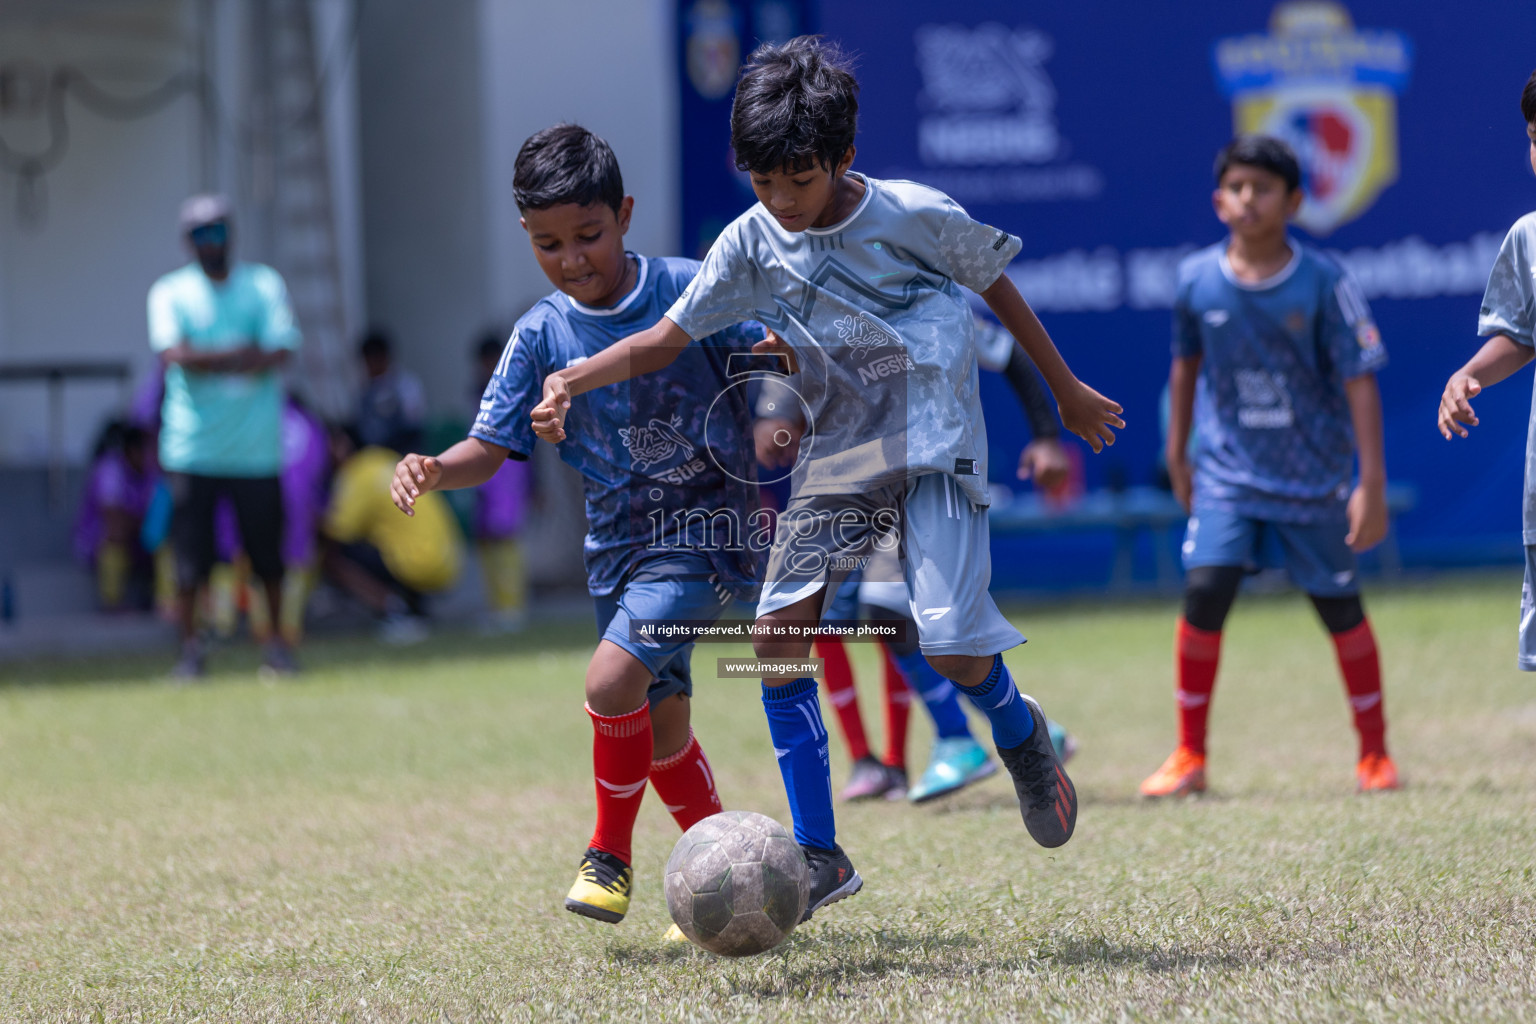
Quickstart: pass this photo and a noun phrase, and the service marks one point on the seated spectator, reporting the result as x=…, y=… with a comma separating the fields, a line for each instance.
x=500, y=507
x=391, y=408
x=388, y=562
x=117, y=493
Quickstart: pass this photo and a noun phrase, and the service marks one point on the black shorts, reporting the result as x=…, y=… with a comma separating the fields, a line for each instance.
x=368, y=558
x=258, y=503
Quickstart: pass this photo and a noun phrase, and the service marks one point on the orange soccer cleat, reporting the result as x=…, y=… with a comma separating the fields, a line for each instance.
x=1182, y=774
x=1376, y=773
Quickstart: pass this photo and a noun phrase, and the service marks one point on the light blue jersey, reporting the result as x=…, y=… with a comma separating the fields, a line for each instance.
x=221, y=424
x=1274, y=439
x=1509, y=308
x=882, y=332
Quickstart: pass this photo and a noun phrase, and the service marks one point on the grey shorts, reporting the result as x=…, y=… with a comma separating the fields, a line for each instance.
x=1527, y=660
x=945, y=559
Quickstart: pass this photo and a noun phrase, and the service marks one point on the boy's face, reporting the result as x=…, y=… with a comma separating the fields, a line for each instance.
x=1253, y=202
x=581, y=248
x=801, y=199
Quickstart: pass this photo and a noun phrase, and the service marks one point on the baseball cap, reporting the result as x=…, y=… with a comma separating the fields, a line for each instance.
x=201, y=210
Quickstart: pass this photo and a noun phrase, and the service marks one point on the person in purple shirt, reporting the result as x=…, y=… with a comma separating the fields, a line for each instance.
x=122, y=480
x=500, y=507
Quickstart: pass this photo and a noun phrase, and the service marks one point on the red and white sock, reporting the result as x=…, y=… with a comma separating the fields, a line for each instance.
x=898, y=706
x=686, y=784
x=1360, y=664
x=621, y=765
x=843, y=695
x=1196, y=655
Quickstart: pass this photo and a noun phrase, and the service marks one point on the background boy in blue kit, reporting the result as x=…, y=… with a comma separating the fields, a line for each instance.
x=1274, y=361
x=861, y=281
x=1508, y=321
x=643, y=452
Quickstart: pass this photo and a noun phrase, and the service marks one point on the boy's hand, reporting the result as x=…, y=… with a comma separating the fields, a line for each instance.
x=773, y=345
x=549, y=415
x=1180, y=477
x=1367, y=516
x=1089, y=415
x=1045, y=461
x=415, y=475
x=1455, y=410
x=776, y=441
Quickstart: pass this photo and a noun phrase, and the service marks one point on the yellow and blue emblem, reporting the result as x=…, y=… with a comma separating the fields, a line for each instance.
x=1330, y=90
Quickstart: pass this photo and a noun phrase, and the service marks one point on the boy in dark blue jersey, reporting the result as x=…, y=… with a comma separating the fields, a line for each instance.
x=670, y=484
x=1274, y=360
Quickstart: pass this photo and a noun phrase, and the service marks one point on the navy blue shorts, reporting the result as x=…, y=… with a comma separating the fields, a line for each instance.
x=667, y=588
x=1314, y=555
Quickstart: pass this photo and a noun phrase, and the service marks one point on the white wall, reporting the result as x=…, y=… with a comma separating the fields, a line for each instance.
x=604, y=64
x=72, y=285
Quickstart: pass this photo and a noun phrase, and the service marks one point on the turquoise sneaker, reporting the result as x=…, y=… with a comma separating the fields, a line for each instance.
x=1062, y=740
x=955, y=763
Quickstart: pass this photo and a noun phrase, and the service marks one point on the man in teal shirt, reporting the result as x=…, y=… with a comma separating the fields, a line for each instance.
x=222, y=330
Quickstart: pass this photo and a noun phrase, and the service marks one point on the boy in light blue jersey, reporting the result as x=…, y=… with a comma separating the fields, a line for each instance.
x=1274, y=354
x=1508, y=320
x=670, y=484
x=861, y=280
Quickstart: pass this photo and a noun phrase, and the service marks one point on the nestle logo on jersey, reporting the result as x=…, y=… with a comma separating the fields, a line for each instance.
x=885, y=366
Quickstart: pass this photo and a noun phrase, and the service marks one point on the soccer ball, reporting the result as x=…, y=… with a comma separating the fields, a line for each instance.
x=737, y=883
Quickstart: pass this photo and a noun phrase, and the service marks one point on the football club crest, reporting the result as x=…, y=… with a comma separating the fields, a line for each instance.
x=714, y=47
x=1330, y=90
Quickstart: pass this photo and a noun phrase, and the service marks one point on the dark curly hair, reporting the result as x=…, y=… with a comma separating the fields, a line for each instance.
x=566, y=164
x=796, y=107
x=1528, y=99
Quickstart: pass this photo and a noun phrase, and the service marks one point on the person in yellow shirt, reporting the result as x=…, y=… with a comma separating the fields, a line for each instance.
x=388, y=562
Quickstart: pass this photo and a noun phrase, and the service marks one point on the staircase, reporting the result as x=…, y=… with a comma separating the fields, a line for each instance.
x=291, y=184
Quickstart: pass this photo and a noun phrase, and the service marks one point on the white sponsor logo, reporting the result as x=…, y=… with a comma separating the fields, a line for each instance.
x=575, y=361
x=622, y=792
x=862, y=334
x=935, y=614
x=655, y=442
x=992, y=101
x=885, y=366
x=1263, y=402
x=1217, y=317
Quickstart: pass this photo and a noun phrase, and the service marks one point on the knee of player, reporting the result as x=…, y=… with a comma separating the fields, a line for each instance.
x=961, y=668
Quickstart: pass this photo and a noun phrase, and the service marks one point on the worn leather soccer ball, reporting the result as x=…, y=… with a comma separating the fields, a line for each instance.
x=737, y=883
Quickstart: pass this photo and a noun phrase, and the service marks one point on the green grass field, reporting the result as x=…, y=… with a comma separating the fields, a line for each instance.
x=389, y=839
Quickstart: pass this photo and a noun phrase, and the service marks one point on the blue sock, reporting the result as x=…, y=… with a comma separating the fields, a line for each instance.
x=800, y=744
x=940, y=697
x=999, y=700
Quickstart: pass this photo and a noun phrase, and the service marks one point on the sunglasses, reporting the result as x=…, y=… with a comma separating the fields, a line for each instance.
x=210, y=234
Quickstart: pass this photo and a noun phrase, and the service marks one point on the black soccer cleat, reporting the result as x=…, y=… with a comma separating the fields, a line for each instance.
x=1047, y=798
x=832, y=878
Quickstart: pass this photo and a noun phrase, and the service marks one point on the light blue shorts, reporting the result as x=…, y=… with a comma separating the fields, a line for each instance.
x=945, y=559
x=1314, y=555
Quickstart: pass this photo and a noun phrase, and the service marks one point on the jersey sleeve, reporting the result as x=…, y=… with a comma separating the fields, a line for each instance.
x=510, y=395
x=1509, y=303
x=1186, y=324
x=277, y=329
x=972, y=253
x=1349, y=336
x=164, y=324
x=721, y=293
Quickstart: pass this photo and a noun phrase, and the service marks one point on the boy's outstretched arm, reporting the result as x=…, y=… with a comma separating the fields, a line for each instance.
x=1084, y=411
x=469, y=463
x=644, y=352
x=1497, y=359
x=1181, y=413
x=1368, y=504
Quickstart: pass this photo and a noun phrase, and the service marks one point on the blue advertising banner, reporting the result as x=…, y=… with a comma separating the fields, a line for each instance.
x=1089, y=129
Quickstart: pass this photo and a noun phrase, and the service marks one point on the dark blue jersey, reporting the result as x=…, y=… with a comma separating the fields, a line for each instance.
x=666, y=459
x=1274, y=438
